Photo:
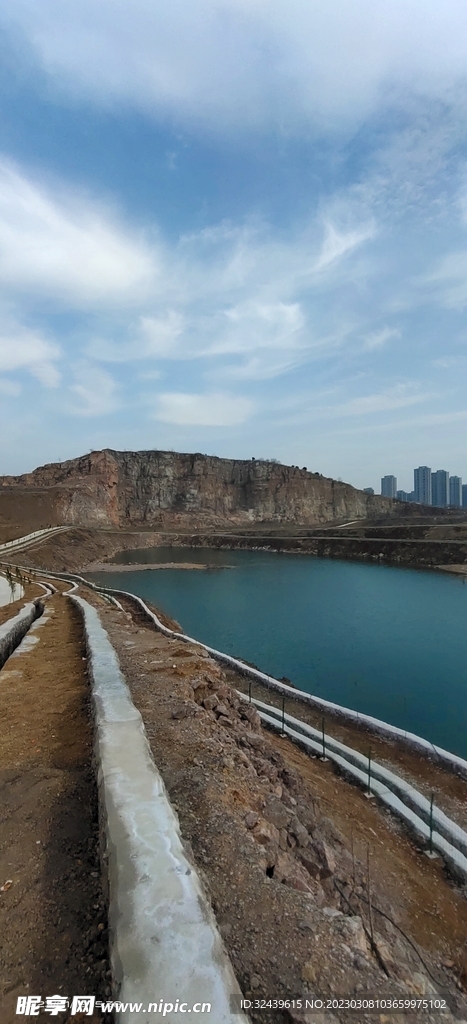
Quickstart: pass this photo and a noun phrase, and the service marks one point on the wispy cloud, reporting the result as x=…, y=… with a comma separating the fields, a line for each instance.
x=248, y=64
x=95, y=389
x=10, y=388
x=396, y=397
x=66, y=248
x=27, y=350
x=337, y=244
x=448, y=281
x=202, y=410
x=376, y=339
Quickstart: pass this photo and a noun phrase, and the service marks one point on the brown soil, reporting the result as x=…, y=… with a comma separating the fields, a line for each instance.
x=70, y=551
x=24, y=511
x=7, y=611
x=284, y=939
x=53, y=916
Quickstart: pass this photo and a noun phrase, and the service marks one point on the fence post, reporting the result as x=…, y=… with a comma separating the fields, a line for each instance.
x=323, y=758
x=430, y=851
x=249, y=690
x=283, y=715
x=369, y=794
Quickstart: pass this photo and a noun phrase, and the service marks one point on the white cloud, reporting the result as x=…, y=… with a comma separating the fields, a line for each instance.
x=96, y=391
x=67, y=248
x=248, y=62
x=448, y=282
x=239, y=297
x=10, y=388
x=23, y=349
x=396, y=397
x=337, y=244
x=208, y=410
x=377, y=339
x=159, y=335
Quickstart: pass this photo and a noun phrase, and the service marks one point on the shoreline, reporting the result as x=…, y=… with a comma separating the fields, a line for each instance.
x=144, y=566
x=456, y=570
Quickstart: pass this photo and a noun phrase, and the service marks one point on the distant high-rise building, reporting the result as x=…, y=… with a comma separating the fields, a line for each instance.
x=455, y=491
x=389, y=486
x=422, y=485
x=440, y=488
x=404, y=496
x=464, y=495
x=368, y=490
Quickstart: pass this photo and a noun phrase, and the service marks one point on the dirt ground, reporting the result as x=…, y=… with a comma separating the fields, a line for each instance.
x=288, y=931
x=52, y=911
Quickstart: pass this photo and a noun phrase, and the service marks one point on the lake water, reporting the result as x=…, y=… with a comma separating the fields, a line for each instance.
x=387, y=641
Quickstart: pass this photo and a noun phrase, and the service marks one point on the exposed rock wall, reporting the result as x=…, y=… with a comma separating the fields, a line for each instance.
x=129, y=488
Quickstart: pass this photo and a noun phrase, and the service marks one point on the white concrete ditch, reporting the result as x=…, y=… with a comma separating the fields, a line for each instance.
x=9, y=593
x=13, y=630
x=163, y=937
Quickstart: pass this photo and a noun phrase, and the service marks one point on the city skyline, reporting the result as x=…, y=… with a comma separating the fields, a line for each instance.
x=431, y=487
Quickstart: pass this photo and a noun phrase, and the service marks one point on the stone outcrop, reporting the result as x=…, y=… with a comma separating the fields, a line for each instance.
x=152, y=488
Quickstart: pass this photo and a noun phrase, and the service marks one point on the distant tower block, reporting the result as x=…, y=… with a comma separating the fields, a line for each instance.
x=389, y=486
x=440, y=488
x=422, y=485
x=455, y=491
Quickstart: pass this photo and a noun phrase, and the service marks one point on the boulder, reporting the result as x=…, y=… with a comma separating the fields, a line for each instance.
x=288, y=871
x=275, y=812
x=254, y=741
x=221, y=709
x=326, y=858
x=265, y=833
x=299, y=831
x=210, y=702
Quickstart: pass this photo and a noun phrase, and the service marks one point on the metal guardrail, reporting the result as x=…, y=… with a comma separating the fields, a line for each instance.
x=371, y=774
x=28, y=539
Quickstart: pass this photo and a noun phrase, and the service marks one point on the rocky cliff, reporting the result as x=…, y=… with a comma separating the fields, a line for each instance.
x=151, y=488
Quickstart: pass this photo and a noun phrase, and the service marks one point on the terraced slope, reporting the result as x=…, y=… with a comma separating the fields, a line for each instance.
x=53, y=924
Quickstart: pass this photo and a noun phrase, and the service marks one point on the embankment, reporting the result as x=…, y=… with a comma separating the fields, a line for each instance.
x=413, y=552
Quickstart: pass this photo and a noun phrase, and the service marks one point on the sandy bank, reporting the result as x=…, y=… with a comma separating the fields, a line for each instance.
x=137, y=567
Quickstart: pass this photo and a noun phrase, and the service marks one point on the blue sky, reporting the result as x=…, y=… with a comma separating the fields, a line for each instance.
x=236, y=227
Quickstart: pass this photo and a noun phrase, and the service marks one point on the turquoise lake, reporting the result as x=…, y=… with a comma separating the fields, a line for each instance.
x=387, y=641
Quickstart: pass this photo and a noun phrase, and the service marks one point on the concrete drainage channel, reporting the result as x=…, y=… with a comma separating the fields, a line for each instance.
x=164, y=938
x=14, y=630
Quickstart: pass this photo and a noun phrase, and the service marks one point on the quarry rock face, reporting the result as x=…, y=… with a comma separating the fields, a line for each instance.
x=151, y=488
